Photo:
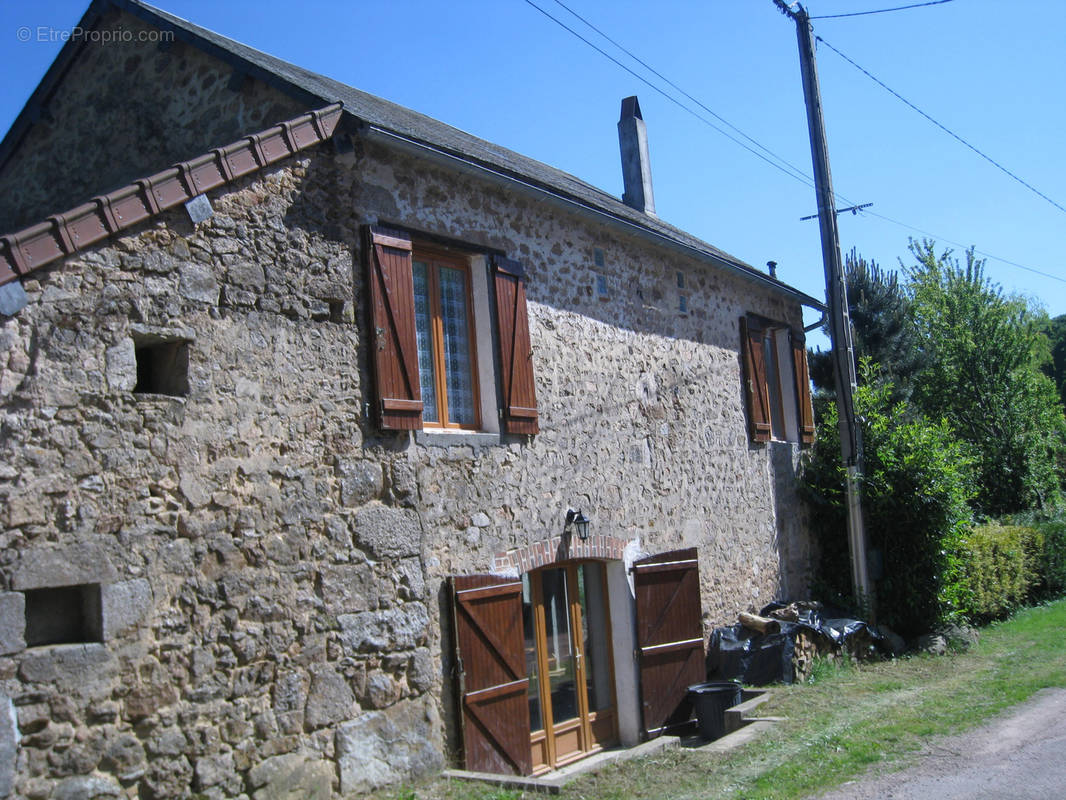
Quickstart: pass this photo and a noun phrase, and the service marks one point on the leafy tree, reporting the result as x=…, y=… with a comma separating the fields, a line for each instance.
x=916, y=488
x=983, y=373
x=882, y=329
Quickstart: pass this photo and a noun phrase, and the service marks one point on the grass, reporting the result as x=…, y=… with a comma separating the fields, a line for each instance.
x=847, y=719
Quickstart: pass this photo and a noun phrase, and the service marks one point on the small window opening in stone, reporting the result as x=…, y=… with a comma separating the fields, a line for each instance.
x=597, y=257
x=681, y=280
x=682, y=304
x=64, y=615
x=163, y=368
x=601, y=286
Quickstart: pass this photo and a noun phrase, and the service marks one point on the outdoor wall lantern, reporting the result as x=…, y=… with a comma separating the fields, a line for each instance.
x=575, y=520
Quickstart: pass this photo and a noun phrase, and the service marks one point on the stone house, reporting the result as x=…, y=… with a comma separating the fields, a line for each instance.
x=352, y=446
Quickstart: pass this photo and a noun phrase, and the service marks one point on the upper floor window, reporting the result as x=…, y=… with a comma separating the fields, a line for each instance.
x=444, y=328
x=432, y=309
x=777, y=384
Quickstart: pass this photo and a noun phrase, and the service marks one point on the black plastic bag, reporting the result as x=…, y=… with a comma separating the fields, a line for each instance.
x=751, y=657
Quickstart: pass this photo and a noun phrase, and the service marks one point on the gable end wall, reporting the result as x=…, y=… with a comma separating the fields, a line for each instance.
x=128, y=107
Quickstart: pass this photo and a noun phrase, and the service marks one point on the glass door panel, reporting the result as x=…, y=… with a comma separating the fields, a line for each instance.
x=594, y=625
x=562, y=685
x=536, y=718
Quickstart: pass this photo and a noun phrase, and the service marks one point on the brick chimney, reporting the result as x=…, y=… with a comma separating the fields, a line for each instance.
x=636, y=166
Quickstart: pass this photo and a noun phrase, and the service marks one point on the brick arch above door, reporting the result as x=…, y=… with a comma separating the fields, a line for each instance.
x=557, y=548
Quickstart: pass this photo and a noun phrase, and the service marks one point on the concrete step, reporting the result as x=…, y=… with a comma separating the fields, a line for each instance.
x=741, y=714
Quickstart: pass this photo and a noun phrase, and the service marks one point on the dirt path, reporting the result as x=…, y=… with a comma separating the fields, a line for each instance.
x=1020, y=754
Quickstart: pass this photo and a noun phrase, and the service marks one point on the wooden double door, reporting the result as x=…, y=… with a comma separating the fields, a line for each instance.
x=567, y=646
x=536, y=679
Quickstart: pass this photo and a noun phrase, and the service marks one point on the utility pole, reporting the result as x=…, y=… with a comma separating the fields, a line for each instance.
x=837, y=300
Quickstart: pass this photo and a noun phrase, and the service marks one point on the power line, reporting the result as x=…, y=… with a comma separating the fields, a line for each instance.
x=669, y=82
x=800, y=177
x=938, y=238
x=882, y=10
x=944, y=128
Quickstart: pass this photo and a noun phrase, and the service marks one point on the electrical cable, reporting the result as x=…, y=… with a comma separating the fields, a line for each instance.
x=800, y=177
x=946, y=130
x=669, y=82
x=937, y=238
x=882, y=10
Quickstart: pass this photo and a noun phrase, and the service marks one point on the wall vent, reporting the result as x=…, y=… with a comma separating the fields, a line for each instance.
x=602, y=290
x=163, y=368
x=64, y=615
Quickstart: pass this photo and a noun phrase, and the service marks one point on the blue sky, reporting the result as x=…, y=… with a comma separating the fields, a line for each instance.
x=990, y=71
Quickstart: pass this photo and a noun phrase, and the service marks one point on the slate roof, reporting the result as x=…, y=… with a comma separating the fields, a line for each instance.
x=317, y=90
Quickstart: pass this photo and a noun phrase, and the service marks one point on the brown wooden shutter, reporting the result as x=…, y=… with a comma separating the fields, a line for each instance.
x=516, y=352
x=492, y=674
x=669, y=637
x=392, y=331
x=755, y=388
x=803, y=388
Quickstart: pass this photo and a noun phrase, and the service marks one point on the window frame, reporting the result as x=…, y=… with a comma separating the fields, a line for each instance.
x=777, y=361
x=434, y=258
x=784, y=426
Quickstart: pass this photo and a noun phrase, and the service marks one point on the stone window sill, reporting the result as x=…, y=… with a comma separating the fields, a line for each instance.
x=456, y=439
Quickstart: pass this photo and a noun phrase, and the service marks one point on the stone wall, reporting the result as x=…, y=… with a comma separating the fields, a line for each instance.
x=242, y=621
x=269, y=561
x=642, y=411
x=272, y=606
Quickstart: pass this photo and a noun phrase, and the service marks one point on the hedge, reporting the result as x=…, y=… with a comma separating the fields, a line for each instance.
x=993, y=570
x=996, y=568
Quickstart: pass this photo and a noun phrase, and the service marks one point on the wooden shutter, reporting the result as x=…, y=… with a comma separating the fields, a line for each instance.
x=392, y=328
x=492, y=674
x=803, y=388
x=669, y=637
x=516, y=353
x=755, y=388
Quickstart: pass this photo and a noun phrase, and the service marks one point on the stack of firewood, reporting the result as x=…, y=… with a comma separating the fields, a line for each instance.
x=809, y=646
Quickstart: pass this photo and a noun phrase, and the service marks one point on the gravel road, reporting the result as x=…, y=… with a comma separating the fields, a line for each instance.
x=1020, y=754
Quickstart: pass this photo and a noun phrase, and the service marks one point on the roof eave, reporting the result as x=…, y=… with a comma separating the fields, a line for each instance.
x=302, y=94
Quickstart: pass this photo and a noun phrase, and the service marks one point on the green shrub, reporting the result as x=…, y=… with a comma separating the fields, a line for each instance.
x=1052, y=567
x=916, y=489
x=994, y=570
x=1050, y=562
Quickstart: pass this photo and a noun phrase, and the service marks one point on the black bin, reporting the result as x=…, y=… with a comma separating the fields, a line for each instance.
x=710, y=701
